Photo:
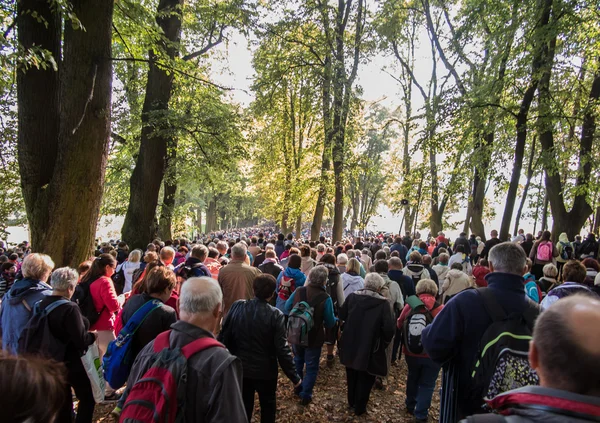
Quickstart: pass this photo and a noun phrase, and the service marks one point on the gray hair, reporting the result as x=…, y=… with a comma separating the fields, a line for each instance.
x=351, y=253
x=342, y=259
x=427, y=286
x=64, y=278
x=508, y=258
x=357, y=254
x=222, y=246
x=238, y=251
x=321, y=248
x=374, y=282
x=200, y=295
x=318, y=275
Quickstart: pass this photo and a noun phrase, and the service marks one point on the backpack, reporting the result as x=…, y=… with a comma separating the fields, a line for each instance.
x=118, y=279
x=418, y=319
x=300, y=320
x=544, y=251
x=83, y=298
x=185, y=271
x=465, y=264
x=502, y=360
x=416, y=277
x=567, y=251
x=36, y=337
x=287, y=285
x=117, y=361
x=159, y=395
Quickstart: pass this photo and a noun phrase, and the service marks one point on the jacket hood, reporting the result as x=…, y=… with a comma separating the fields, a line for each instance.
x=415, y=268
x=352, y=279
x=369, y=299
x=292, y=273
x=563, y=238
x=331, y=269
x=24, y=287
x=456, y=274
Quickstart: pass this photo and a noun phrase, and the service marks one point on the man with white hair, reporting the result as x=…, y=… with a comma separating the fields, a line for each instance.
x=237, y=277
x=213, y=388
x=320, y=251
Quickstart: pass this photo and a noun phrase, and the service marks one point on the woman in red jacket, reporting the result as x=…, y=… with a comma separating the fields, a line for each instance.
x=422, y=371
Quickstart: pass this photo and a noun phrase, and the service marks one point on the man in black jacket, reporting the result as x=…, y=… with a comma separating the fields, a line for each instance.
x=255, y=332
x=490, y=243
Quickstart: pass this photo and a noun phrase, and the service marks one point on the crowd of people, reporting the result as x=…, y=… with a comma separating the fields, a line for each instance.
x=208, y=323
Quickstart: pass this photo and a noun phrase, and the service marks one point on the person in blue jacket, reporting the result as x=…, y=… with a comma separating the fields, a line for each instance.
x=18, y=303
x=456, y=332
x=323, y=317
x=292, y=271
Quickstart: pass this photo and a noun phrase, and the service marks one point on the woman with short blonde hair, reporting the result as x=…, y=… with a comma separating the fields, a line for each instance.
x=37, y=266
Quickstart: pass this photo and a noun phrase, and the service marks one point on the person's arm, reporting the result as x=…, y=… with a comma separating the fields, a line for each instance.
x=282, y=349
x=289, y=304
x=388, y=324
x=225, y=404
x=403, y=316
x=340, y=291
x=328, y=316
x=343, y=312
x=363, y=272
x=555, y=252
x=109, y=296
x=442, y=337
x=533, y=251
x=73, y=324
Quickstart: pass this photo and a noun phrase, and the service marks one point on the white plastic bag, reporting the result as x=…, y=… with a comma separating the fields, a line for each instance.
x=93, y=367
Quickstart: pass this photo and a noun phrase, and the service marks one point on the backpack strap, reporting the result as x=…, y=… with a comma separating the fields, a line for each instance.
x=200, y=345
x=494, y=310
x=302, y=293
x=162, y=341
x=53, y=305
x=142, y=313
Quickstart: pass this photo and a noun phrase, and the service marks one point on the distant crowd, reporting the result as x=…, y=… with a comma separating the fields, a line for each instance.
x=190, y=330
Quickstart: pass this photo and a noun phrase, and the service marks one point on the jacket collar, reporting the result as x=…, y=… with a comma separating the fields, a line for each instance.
x=505, y=281
x=190, y=330
x=552, y=400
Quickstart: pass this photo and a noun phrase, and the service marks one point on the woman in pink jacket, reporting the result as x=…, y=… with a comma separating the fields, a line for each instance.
x=105, y=298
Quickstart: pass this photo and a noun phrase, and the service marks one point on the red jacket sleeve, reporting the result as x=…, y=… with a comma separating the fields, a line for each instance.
x=109, y=295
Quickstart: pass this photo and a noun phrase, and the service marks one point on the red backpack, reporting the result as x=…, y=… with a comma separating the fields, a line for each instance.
x=159, y=396
x=287, y=286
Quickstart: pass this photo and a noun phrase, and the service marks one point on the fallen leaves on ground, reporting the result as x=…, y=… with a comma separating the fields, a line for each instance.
x=329, y=400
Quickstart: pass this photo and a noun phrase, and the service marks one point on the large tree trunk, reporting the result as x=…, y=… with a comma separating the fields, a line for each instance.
x=571, y=221
x=299, y=226
x=199, y=220
x=211, y=216
x=479, y=182
x=147, y=176
x=64, y=127
x=165, y=222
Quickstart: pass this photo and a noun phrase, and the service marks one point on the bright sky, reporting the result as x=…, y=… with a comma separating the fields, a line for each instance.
x=236, y=72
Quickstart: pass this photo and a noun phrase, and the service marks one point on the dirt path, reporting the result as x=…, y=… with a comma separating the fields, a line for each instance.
x=329, y=400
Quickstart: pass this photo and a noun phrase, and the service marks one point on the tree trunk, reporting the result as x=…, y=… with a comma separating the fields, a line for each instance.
x=596, y=221
x=526, y=188
x=165, y=222
x=64, y=127
x=479, y=181
x=299, y=226
x=147, y=176
x=211, y=216
x=545, y=213
x=199, y=220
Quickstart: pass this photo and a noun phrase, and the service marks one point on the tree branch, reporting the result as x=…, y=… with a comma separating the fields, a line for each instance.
x=208, y=46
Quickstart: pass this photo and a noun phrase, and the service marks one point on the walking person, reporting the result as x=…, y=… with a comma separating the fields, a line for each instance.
x=368, y=330
x=422, y=370
x=259, y=349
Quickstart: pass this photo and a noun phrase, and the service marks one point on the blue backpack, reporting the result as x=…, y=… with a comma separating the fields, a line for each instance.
x=117, y=361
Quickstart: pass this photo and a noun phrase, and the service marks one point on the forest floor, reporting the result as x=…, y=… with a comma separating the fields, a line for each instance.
x=329, y=400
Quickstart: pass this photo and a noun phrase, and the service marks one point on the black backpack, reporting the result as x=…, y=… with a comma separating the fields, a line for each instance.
x=185, y=271
x=83, y=298
x=502, y=361
x=36, y=337
x=118, y=279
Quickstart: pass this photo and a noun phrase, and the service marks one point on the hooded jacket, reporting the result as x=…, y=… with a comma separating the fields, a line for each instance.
x=351, y=283
x=299, y=279
x=391, y=290
x=16, y=309
x=589, y=248
x=563, y=241
x=562, y=291
x=533, y=404
x=441, y=270
x=479, y=273
x=368, y=329
x=416, y=272
x=456, y=281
